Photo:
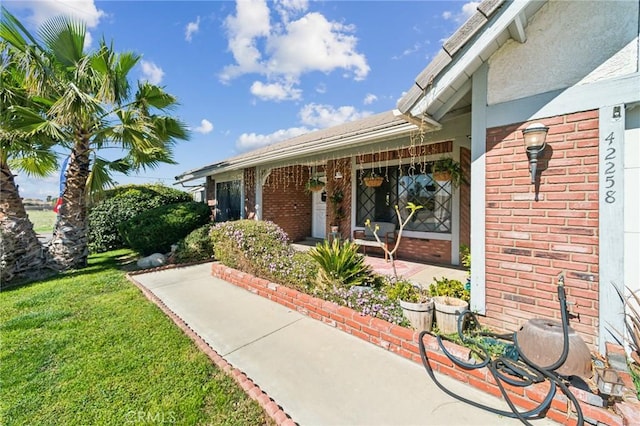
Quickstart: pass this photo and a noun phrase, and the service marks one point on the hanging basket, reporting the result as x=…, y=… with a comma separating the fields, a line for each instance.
x=373, y=181
x=442, y=176
x=315, y=188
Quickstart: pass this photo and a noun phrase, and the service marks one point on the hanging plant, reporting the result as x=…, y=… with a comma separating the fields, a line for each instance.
x=448, y=169
x=314, y=185
x=372, y=180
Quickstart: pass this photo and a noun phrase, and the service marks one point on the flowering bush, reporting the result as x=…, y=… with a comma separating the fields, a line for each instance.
x=261, y=248
x=368, y=301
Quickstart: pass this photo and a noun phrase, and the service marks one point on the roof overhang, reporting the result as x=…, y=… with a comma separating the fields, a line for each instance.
x=313, y=144
x=447, y=79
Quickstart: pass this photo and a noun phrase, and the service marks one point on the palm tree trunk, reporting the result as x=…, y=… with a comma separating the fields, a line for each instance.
x=69, y=245
x=21, y=254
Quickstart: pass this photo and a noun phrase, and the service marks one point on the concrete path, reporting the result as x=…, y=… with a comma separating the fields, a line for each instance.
x=316, y=373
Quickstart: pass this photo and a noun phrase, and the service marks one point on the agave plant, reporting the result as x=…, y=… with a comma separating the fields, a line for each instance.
x=340, y=265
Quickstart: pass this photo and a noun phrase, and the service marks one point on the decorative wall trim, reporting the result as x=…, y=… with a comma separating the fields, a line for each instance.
x=577, y=98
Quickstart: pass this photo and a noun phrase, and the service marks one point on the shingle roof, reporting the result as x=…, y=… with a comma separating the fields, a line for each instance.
x=450, y=48
x=342, y=136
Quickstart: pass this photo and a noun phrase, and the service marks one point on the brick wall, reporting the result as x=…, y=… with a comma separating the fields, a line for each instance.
x=286, y=202
x=430, y=251
x=530, y=242
x=342, y=165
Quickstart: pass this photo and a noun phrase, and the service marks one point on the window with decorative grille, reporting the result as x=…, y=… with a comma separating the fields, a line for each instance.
x=403, y=185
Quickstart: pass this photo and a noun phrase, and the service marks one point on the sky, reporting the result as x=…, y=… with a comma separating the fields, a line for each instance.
x=251, y=73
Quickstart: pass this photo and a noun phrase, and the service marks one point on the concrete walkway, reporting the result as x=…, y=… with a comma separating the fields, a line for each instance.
x=316, y=373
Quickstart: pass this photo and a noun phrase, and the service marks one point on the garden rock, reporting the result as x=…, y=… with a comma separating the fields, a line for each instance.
x=151, y=261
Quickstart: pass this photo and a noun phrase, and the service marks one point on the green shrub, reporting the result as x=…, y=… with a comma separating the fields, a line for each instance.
x=155, y=230
x=123, y=203
x=447, y=287
x=195, y=247
x=261, y=248
x=402, y=289
x=340, y=265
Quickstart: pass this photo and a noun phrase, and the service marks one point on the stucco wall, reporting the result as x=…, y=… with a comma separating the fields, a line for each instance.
x=553, y=56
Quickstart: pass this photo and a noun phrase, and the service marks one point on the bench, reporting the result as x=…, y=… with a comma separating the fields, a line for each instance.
x=386, y=233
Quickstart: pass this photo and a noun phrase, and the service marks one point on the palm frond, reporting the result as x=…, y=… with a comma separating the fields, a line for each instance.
x=35, y=162
x=64, y=38
x=149, y=95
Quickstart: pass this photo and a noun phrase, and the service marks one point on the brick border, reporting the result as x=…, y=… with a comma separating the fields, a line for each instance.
x=404, y=342
x=270, y=407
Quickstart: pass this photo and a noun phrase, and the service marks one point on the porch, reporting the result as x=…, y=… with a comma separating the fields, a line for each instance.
x=422, y=274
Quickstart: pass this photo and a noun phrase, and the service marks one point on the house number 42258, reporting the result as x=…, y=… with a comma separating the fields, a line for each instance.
x=610, y=170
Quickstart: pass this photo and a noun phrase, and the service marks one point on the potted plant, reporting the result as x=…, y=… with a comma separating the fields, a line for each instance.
x=448, y=169
x=415, y=302
x=450, y=299
x=314, y=185
x=372, y=180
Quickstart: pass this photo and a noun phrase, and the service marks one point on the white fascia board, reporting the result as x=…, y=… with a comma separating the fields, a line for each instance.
x=311, y=148
x=469, y=60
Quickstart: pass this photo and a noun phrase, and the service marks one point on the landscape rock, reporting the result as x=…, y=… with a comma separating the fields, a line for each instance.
x=152, y=261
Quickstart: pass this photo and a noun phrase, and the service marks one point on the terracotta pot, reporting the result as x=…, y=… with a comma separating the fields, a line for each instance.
x=442, y=176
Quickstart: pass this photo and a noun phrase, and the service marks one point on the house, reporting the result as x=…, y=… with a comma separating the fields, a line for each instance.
x=568, y=69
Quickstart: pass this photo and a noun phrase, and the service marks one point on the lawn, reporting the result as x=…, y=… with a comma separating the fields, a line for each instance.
x=43, y=220
x=87, y=348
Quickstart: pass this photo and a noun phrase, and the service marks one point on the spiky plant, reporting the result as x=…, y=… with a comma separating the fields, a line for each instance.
x=340, y=265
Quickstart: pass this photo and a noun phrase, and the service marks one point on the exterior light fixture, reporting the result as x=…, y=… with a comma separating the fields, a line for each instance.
x=338, y=175
x=534, y=142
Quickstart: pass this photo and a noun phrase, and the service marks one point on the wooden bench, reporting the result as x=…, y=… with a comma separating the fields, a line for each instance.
x=386, y=232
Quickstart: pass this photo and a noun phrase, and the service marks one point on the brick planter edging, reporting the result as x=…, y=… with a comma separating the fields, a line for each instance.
x=404, y=342
x=272, y=409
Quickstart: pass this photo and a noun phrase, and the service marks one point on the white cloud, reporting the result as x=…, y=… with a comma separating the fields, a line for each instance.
x=467, y=10
x=275, y=91
x=287, y=8
x=151, y=72
x=322, y=116
x=191, y=29
x=369, y=99
x=250, y=141
x=41, y=11
x=204, y=127
x=321, y=88
x=285, y=50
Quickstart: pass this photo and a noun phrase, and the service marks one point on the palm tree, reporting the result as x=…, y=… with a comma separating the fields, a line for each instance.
x=90, y=109
x=21, y=253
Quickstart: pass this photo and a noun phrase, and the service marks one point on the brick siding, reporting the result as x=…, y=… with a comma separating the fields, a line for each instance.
x=286, y=201
x=530, y=242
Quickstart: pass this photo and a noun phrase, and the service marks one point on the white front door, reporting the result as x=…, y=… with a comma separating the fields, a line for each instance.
x=319, y=214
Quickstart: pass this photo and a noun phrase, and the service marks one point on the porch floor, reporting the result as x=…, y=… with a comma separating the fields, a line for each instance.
x=419, y=273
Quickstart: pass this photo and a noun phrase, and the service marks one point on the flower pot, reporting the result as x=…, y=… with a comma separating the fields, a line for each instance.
x=373, y=181
x=447, y=311
x=335, y=229
x=442, y=176
x=420, y=315
x=315, y=188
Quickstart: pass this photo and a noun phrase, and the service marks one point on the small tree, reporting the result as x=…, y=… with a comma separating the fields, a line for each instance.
x=413, y=208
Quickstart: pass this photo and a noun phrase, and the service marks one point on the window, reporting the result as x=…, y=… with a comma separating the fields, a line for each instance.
x=228, y=197
x=401, y=186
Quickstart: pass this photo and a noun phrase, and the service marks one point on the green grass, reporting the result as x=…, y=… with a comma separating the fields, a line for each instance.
x=87, y=348
x=43, y=220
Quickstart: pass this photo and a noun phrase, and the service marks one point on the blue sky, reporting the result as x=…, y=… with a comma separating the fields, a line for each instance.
x=251, y=73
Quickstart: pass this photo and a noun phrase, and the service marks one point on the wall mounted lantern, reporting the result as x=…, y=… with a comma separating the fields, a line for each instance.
x=338, y=175
x=534, y=142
